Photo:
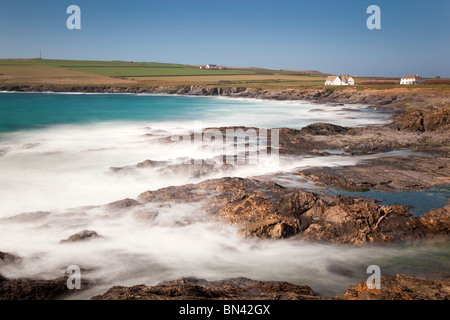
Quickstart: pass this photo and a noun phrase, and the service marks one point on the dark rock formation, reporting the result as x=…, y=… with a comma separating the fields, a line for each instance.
x=150, y=164
x=37, y=289
x=196, y=289
x=27, y=289
x=189, y=168
x=359, y=221
x=323, y=129
x=268, y=210
x=401, y=287
x=384, y=174
x=437, y=221
x=424, y=119
x=123, y=204
x=82, y=236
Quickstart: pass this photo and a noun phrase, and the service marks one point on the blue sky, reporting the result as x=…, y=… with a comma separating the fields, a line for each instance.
x=329, y=36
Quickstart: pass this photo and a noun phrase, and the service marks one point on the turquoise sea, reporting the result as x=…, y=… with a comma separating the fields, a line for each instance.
x=21, y=111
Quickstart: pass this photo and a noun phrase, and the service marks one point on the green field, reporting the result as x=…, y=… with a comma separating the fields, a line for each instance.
x=140, y=69
x=91, y=72
x=154, y=71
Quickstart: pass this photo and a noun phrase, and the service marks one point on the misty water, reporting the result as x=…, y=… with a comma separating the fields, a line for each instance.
x=56, y=151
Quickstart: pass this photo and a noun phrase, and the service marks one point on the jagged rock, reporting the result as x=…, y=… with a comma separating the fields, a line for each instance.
x=151, y=164
x=268, y=210
x=197, y=289
x=384, y=174
x=82, y=236
x=123, y=204
x=37, y=289
x=193, y=170
x=401, y=287
x=323, y=129
x=437, y=221
x=424, y=119
x=357, y=221
x=27, y=289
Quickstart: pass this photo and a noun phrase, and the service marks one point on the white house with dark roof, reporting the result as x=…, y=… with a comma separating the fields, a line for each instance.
x=211, y=66
x=344, y=80
x=412, y=79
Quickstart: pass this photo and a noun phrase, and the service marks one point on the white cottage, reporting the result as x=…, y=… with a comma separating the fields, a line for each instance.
x=211, y=66
x=344, y=80
x=412, y=79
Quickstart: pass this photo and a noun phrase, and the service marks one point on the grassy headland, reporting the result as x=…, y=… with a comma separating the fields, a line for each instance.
x=79, y=73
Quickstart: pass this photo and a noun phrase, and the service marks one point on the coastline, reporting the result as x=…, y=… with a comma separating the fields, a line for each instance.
x=385, y=99
x=404, y=132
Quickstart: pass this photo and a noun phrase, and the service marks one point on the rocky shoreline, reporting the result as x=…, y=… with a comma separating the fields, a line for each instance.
x=265, y=209
x=398, y=287
x=389, y=99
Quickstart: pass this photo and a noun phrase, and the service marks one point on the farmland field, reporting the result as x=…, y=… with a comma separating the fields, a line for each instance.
x=154, y=71
x=126, y=73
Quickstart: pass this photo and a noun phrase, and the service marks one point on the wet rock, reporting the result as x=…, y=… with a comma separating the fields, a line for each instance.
x=424, y=119
x=197, y=289
x=38, y=289
x=268, y=210
x=384, y=174
x=277, y=213
x=151, y=164
x=401, y=287
x=141, y=165
x=175, y=194
x=193, y=170
x=264, y=210
x=188, y=167
x=27, y=289
x=323, y=129
x=82, y=236
x=123, y=204
x=360, y=222
x=437, y=221
x=115, y=170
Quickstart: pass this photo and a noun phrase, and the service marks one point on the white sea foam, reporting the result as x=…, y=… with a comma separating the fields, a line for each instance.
x=67, y=166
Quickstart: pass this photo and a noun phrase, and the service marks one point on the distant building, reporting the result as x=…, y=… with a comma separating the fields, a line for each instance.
x=211, y=66
x=412, y=79
x=344, y=80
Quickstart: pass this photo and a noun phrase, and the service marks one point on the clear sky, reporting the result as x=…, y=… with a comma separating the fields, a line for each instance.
x=329, y=36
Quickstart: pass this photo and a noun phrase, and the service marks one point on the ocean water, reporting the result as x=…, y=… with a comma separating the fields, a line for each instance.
x=23, y=111
x=56, y=151
x=421, y=201
x=57, y=148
